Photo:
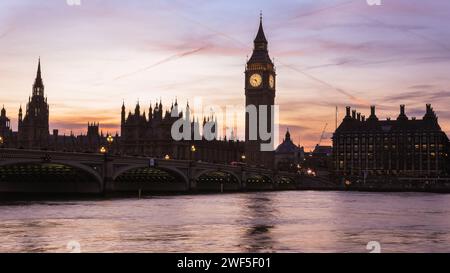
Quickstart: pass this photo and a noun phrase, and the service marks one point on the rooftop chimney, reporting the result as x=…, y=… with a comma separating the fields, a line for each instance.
x=402, y=115
x=55, y=135
x=354, y=114
x=372, y=113
x=430, y=114
x=348, y=111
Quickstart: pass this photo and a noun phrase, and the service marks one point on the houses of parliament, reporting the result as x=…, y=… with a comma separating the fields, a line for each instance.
x=142, y=133
x=147, y=132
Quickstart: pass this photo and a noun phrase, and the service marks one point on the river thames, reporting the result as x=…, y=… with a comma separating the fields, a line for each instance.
x=296, y=221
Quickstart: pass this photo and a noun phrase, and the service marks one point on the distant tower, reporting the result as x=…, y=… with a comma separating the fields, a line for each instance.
x=34, y=127
x=20, y=115
x=5, y=127
x=122, y=119
x=259, y=90
x=92, y=131
x=137, y=110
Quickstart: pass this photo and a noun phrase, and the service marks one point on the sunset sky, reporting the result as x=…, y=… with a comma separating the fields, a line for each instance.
x=327, y=53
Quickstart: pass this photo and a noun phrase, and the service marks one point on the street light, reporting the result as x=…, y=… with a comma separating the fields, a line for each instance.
x=243, y=157
x=110, y=139
x=193, y=150
x=167, y=157
x=103, y=150
x=1, y=140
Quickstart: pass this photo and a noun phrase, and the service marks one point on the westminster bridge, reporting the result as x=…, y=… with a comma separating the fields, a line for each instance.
x=38, y=171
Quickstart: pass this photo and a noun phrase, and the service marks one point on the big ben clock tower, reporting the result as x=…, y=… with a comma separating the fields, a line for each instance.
x=259, y=91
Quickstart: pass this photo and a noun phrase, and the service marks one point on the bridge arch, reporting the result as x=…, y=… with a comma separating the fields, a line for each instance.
x=215, y=180
x=258, y=178
x=283, y=179
x=201, y=173
x=175, y=172
x=54, y=176
x=79, y=166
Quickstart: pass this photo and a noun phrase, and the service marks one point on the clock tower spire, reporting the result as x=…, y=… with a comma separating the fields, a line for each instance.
x=260, y=77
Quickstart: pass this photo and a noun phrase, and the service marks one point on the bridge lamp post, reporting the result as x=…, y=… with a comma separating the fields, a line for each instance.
x=1, y=141
x=104, y=152
x=110, y=141
x=193, y=150
x=243, y=158
x=167, y=157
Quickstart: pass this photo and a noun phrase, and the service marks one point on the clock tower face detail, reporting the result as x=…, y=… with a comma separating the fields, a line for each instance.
x=260, y=85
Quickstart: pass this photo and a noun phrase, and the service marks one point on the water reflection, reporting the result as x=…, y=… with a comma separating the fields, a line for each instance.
x=259, y=211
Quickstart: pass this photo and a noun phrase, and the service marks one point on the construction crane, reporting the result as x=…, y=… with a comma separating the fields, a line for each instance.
x=323, y=134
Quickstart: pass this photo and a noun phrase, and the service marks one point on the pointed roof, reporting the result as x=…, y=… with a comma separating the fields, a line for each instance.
x=39, y=68
x=38, y=81
x=260, y=37
x=260, y=53
x=288, y=134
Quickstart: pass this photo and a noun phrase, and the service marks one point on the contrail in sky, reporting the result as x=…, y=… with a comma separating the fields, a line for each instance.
x=413, y=33
x=339, y=90
x=323, y=9
x=3, y=35
x=163, y=61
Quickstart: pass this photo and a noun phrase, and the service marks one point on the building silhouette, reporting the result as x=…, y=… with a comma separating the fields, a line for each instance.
x=34, y=126
x=6, y=132
x=260, y=86
x=150, y=134
x=288, y=156
x=141, y=134
x=403, y=147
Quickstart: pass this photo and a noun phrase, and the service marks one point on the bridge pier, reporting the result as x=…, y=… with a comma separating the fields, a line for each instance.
x=192, y=183
x=243, y=180
x=108, y=174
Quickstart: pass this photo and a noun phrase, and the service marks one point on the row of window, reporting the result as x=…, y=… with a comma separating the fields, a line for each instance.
x=377, y=165
x=402, y=147
x=416, y=139
x=371, y=155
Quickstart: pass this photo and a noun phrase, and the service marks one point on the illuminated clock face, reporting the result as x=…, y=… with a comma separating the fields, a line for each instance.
x=255, y=80
x=271, y=81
